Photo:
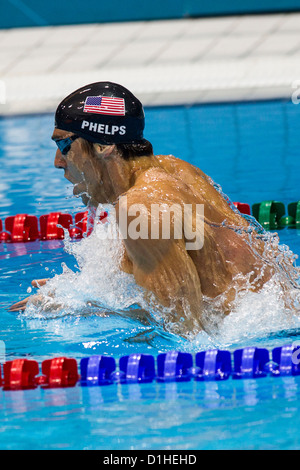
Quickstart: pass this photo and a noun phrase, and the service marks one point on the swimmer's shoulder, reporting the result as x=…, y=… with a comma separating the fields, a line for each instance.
x=179, y=167
x=170, y=170
x=172, y=180
x=153, y=186
x=156, y=184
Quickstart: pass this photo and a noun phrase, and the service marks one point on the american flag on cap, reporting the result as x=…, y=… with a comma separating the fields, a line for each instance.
x=104, y=105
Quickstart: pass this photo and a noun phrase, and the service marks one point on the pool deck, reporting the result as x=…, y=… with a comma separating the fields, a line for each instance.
x=163, y=62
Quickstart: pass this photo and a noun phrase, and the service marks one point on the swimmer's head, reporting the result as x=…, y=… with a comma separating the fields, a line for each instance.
x=105, y=113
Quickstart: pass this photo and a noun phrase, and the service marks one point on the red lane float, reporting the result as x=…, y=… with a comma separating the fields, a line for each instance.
x=243, y=208
x=25, y=228
x=81, y=225
x=59, y=372
x=53, y=225
x=22, y=228
x=23, y=374
x=4, y=236
x=20, y=374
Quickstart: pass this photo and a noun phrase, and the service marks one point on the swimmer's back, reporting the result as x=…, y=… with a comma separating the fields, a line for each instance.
x=216, y=207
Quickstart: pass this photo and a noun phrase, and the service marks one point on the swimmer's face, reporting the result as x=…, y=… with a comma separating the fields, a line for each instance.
x=79, y=168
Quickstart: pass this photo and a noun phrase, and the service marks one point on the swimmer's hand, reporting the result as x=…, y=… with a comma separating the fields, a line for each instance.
x=39, y=282
x=20, y=306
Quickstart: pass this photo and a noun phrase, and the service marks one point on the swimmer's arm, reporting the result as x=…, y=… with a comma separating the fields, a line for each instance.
x=16, y=307
x=164, y=267
x=174, y=281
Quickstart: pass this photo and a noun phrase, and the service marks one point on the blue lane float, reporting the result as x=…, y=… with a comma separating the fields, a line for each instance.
x=213, y=365
x=97, y=370
x=286, y=361
x=136, y=368
x=172, y=366
x=250, y=363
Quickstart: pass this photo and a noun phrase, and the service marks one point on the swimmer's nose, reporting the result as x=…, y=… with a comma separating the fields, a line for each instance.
x=59, y=161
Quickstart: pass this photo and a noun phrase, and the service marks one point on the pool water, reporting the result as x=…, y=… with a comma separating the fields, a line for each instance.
x=251, y=150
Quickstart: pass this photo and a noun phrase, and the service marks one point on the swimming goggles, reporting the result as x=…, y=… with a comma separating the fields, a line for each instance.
x=64, y=145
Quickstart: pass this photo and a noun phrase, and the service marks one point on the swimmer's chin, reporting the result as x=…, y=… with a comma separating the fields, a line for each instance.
x=78, y=192
x=88, y=201
x=85, y=199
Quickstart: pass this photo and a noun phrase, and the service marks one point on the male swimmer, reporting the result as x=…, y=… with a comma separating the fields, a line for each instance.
x=101, y=148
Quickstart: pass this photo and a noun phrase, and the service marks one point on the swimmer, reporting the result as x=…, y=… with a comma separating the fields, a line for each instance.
x=102, y=150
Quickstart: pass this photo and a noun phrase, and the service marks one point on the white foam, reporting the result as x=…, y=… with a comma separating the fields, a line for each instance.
x=99, y=284
x=255, y=315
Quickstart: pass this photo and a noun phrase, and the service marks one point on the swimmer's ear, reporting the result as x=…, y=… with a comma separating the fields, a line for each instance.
x=105, y=151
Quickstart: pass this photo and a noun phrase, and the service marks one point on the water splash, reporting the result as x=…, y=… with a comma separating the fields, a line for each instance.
x=98, y=285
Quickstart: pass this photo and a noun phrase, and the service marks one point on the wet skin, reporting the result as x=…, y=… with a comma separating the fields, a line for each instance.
x=177, y=277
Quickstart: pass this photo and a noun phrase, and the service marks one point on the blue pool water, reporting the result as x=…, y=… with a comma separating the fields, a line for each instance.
x=251, y=149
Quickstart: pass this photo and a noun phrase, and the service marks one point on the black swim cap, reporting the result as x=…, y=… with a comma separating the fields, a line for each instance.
x=102, y=112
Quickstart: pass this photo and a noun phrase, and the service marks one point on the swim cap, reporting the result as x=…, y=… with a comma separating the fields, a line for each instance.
x=103, y=112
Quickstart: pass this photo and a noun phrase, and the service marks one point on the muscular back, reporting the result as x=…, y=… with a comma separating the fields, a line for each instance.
x=226, y=251
x=169, y=270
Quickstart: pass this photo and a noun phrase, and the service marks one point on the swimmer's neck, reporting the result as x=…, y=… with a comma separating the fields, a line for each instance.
x=119, y=174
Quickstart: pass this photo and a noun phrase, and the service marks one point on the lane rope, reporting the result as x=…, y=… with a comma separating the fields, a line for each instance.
x=271, y=215
x=172, y=366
